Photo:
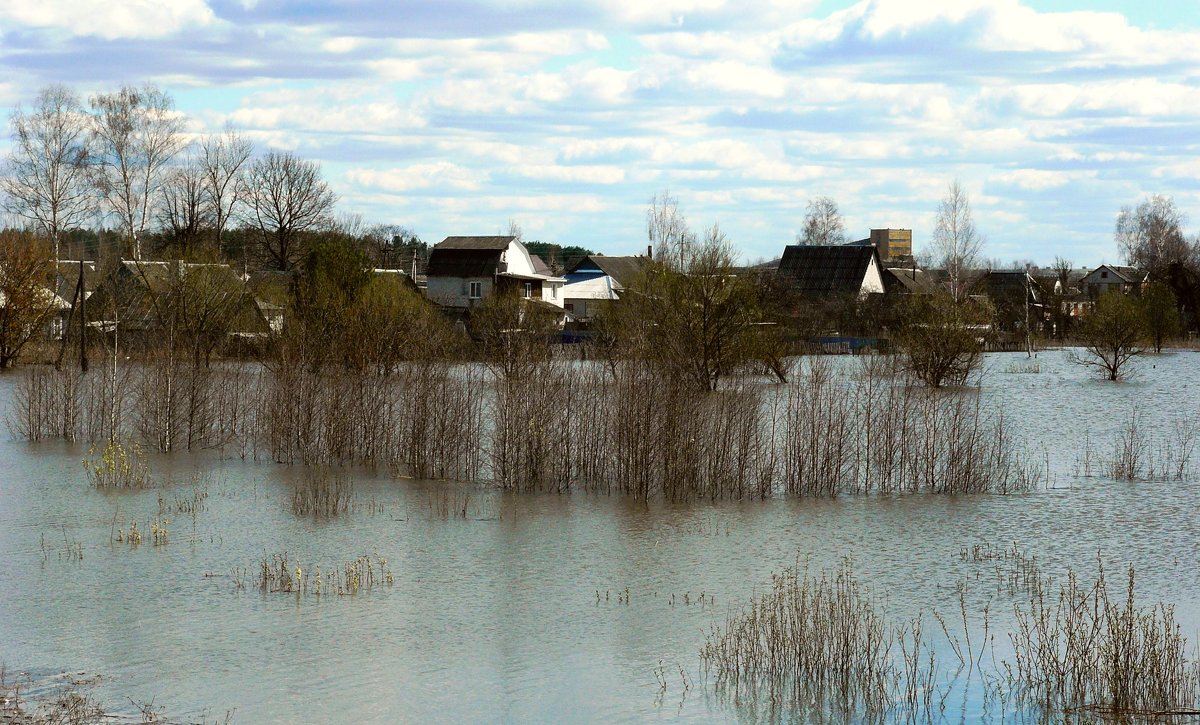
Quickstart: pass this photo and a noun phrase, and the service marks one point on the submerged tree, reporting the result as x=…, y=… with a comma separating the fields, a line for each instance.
x=699, y=319
x=514, y=334
x=941, y=340
x=1111, y=335
x=1161, y=314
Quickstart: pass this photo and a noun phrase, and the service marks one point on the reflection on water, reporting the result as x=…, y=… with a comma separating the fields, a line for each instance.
x=541, y=607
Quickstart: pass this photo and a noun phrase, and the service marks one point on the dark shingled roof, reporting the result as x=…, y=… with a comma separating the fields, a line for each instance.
x=622, y=269
x=467, y=256
x=493, y=243
x=819, y=270
x=1131, y=275
x=1008, y=287
x=540, y=267
x=908, y=280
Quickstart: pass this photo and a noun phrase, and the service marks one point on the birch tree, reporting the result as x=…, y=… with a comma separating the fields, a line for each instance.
x=45, y=181
x=1151, y=236
x=667, y=229
x=224, y=157
x=134, y=135
x=956, y=243
x=822, y=224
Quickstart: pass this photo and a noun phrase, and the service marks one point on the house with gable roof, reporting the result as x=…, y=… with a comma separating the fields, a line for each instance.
x=1113, y=278
x=464, y=271
x=832, y=270
x=596, y=279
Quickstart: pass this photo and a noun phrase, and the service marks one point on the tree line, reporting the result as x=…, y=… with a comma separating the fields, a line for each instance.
x=125, y=158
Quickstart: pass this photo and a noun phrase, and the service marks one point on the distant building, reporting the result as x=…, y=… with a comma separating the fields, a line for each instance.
x=893, y=245
x=832, y=270
x=910, y=280
x=464, y=271
x=596, y=279
x=1112, y=278
x=1015, y=296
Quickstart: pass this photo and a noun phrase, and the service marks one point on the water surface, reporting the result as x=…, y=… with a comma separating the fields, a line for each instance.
x=517, y=614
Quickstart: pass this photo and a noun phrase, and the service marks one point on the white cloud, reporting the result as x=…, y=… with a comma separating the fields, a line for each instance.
x=109, y=19
x=441, y=175
x=1034, y=179
x=572, y=174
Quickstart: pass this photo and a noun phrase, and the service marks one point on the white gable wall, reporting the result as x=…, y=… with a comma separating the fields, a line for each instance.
x=872, y=280
x=518, y=259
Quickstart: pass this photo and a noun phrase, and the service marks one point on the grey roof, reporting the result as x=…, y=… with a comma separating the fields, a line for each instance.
x=490, y=243
x=1008, y=286
x=467, y=256
x=1132, y=275
x=908, y=280
x=68, y=278
x=540, y=267
x=622, y=269
x=819, y=270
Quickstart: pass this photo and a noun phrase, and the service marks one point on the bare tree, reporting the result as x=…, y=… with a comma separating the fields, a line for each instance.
x=26, y=300
x=224, y=158
x=822, y=223
x=286, y=197
x=46, y=181
x=1111, y=335
x=940, y=339
x=1151, y=236
x=704, y=315
x=184, y=213
x=1160, y=312
x=667, y=229
x=956, y=243
x=1062, y=272
x=135, y=134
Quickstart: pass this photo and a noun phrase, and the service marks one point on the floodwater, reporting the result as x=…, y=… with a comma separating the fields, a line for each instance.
x=518, y=612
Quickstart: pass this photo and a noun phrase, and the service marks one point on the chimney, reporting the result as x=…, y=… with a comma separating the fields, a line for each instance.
x=649, y=251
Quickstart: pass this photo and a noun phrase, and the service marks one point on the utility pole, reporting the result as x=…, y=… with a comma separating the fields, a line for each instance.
x=82, y=287
x=1028, y=333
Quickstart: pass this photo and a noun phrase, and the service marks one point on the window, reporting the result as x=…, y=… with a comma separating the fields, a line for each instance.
x=476, y=290
x=553, y=291
x=1104, y=275
x=528, y=290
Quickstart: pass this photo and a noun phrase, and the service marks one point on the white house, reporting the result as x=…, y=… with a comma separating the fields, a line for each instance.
x=464, y=271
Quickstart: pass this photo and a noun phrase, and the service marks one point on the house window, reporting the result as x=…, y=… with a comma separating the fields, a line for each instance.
x=553, y=291
x=528, y=290
x=476, y=290
x=1104, y=275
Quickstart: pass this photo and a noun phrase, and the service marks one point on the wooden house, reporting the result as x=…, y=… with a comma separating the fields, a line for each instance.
x=465, y=271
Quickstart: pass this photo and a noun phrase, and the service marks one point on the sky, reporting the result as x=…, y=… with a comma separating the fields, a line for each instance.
x=455, y=117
